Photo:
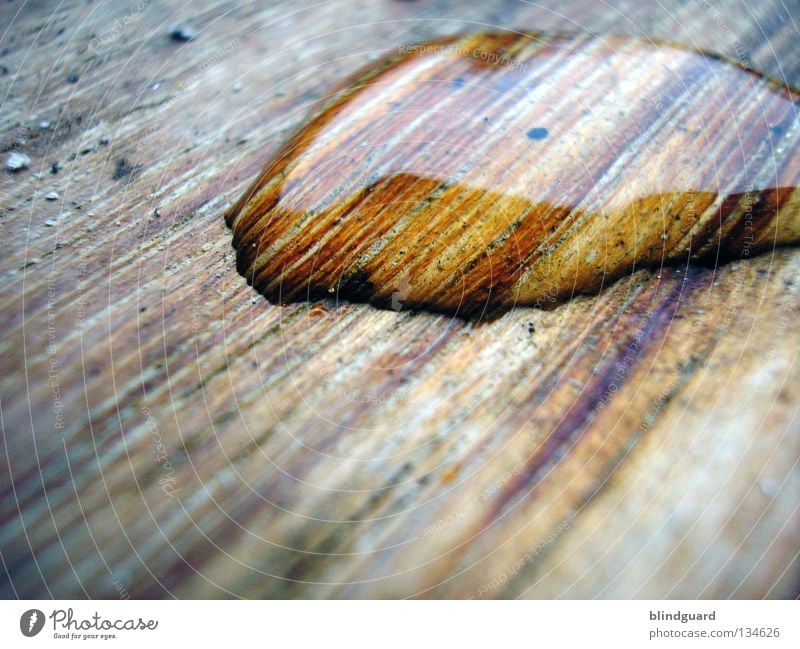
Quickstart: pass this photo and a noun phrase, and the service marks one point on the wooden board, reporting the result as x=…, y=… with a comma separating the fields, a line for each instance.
x=168, y=432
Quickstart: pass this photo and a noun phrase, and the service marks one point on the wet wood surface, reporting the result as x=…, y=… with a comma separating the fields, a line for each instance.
x=472, y=175
x=168, y=432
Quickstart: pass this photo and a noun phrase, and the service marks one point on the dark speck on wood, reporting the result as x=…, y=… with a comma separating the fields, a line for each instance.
x=183, y=33
x=124, y=169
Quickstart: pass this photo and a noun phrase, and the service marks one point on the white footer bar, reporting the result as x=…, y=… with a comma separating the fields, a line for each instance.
x=391, y=624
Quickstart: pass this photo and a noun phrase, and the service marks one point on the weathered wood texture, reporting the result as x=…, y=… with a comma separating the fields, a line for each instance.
x=168, y=432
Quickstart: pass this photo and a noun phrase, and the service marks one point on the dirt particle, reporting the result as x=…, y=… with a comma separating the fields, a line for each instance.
x=124, y=169
x=183, y=33
x=16, y=161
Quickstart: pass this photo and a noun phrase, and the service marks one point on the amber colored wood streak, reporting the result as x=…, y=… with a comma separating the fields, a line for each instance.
x=495, y=170
x=640, y=442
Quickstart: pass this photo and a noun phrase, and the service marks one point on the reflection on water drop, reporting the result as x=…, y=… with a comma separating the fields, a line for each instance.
x=537, y=133
x=493, y=170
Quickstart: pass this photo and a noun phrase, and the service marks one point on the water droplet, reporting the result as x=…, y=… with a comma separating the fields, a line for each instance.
x=602, y=156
